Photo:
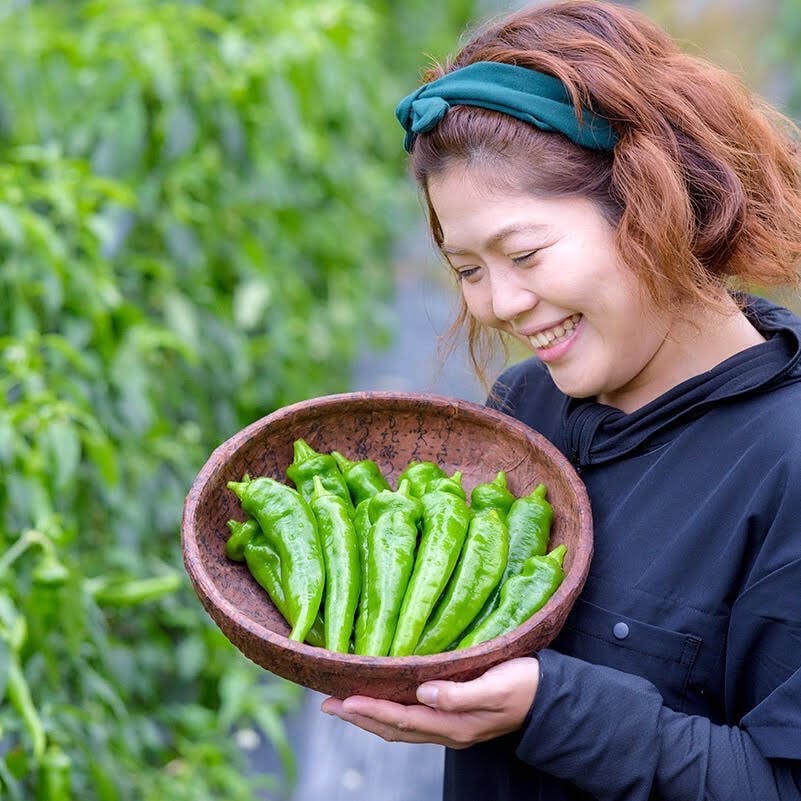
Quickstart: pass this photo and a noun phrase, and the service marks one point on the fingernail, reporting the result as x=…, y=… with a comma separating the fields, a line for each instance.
x=427, y=695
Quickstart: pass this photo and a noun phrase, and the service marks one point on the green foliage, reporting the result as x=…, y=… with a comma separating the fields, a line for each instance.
x=197, y=208
x=757, y=41
x=781, y=52
x=432, y=31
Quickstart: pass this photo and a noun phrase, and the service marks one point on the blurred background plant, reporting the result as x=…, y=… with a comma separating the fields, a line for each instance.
x=199, y=205
x=758, y=41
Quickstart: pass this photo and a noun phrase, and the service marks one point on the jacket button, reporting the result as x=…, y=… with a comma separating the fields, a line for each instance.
x=620, y=630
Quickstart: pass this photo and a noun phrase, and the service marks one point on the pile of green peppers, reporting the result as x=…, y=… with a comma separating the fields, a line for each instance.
x=355, y=566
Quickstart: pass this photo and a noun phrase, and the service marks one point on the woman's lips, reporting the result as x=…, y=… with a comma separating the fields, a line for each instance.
x=551, y=336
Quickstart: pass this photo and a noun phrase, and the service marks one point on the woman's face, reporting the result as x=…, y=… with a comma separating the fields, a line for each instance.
x=546, y=270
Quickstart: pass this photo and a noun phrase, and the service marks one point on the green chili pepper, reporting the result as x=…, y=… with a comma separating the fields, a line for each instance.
x=418, y=474
x=364, y=478
x=265, y=566
x=529, y=522
x=521, y=596
x=477, y=573
x=56, y=774
x=446, y=516
x=249, y=544
x=307, y=464
x=241, y=534
x=492, y=494
x=342, y=571
x=291, y=528
x=361, y=525
x=391, y=548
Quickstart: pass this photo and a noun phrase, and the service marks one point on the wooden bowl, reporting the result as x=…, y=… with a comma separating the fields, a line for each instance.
x=392, y=429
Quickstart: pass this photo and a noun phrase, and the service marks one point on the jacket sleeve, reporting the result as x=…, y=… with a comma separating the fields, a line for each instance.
x=617, y=740
x=610, y=732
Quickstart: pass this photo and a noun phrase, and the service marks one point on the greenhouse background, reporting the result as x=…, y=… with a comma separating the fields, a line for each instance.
x=205, y=216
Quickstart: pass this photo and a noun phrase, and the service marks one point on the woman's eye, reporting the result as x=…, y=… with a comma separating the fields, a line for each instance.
x=524, y=258
x=466, y=273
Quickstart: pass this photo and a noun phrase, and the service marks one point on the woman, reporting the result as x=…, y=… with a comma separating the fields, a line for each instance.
x=604, y=198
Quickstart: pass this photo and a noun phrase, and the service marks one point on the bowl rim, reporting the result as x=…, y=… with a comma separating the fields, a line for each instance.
x=211, y=596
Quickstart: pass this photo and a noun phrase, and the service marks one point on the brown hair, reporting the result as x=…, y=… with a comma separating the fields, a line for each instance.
x=704, y=186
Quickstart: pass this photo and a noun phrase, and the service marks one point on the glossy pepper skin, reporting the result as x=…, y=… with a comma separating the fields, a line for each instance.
x=361, y=525
x=451, y=484
x=343, y=573
x=418, y=474
x=265, y=567
x=391, y=546
x=446, y=516
x=364, y=478
x=521, y=596
x=529, y=521
x=493, y=494
x=308, y=463
x=477, y=573
x=291, y=528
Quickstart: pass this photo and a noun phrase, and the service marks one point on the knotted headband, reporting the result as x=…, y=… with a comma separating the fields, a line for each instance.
x=534, y=97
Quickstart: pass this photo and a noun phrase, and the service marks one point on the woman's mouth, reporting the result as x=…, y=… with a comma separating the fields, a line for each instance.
x=551, y=336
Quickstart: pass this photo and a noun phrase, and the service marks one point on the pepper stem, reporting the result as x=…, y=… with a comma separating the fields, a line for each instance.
x=319, y=488
x=558, y=554
x=237, y=487
x=342, y=461
x=303, y=451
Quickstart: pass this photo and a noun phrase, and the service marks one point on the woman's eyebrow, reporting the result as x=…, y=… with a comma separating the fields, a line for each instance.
x=497, y=237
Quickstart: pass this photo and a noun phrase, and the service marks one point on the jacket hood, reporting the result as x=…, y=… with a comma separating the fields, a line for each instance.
x=596, y=433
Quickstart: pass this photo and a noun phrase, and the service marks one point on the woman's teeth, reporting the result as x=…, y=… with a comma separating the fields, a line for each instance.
x=545, y=338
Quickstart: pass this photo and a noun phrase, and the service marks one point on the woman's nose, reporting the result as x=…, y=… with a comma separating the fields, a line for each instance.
x=510, y=296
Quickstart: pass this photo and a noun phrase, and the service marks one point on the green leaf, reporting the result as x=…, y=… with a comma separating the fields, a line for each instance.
x=11, y=226
x=251, y=301
x=5, y=662
x=102, y=455
x=61, y=441
x=275, y=730
x=7, y=440
x=181, y=131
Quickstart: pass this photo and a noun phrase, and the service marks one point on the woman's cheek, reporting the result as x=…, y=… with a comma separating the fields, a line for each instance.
x=480, y=306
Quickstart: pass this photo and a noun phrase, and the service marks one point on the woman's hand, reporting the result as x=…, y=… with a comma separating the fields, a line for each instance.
x=455, y=714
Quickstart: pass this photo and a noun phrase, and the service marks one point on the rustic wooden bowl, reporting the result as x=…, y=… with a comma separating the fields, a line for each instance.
x=393, y=429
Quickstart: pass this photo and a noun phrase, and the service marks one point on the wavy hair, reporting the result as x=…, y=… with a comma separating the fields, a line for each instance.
x=703, y=186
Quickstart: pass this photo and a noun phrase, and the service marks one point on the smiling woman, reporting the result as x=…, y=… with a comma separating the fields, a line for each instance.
x=606, y=199
x=547, y=271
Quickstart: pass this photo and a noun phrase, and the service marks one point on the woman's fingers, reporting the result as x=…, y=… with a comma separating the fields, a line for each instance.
x=510, y=684
x=456, y=714
x=393, y=722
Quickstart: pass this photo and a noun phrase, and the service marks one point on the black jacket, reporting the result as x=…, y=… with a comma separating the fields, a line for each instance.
x=678, y=673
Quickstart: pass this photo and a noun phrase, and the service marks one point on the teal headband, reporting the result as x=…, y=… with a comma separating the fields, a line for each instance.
x=520, y=92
